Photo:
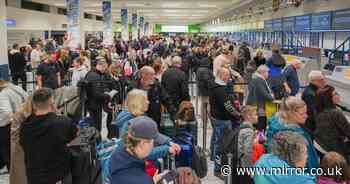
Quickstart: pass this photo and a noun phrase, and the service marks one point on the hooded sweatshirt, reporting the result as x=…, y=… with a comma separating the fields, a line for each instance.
x=270, y=161
x=127, y=169
x=44, y=139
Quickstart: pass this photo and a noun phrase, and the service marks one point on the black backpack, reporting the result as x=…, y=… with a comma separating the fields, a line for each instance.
x=199, y=162
x=228, y=143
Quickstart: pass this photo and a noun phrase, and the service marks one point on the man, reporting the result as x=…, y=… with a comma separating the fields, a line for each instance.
x=259, y=93
x=175, y=82
x=157, y=95
x=224, y=114
x=17, y=64
x=316, y=81
x=48, y=73
x=243, y=58
x=11, y=99
x=291, y=75
x=44, y=137
x=98, y=91
x=204, y=78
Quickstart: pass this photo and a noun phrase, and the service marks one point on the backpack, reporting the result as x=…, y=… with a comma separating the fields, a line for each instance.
x=104, y=152
x=228, y=143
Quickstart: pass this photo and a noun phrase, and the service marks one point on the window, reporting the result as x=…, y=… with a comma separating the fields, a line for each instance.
x=35, y=6
x=100, y=18
x=87, y=16
x=62, y=11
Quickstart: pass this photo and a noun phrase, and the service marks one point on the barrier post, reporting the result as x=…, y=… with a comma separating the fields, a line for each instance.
x=228, y=178
x=205, y=124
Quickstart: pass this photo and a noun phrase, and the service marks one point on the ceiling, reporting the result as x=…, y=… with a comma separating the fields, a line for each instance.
x=174, y=12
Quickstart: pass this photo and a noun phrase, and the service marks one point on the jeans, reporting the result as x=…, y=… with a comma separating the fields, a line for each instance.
x=218, y=128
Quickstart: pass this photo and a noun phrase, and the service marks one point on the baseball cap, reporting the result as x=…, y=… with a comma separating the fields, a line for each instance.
x=146, y=128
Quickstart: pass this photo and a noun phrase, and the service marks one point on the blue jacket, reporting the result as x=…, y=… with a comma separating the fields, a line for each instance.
x=291, y=75
x=276, y=125
x=122, y=124
x=269, y=161
x=127, y=169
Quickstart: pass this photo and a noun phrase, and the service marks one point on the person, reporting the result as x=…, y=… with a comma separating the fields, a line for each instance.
x=223, y=113
x=17, y=168
x=220, y=61
x=278, y=84
x=332, y=127
x=316, y=81
x=50, y=133
x=291, y=75
x=17, y=64
x=334, y=161
x=11, y=98
x=48, y=73
x=156, y=94
x=35, y=56
x=136, y=105
x=243, y=58
x=159, y=69
x=259, y=93
x=175, y=82
x=288, y=150
x=186, y=120
x=79, y=71
x=99, y=91
x=291, y=115
x=127, y=164
x=204, y=77
x=259, y=58
x=246, y=140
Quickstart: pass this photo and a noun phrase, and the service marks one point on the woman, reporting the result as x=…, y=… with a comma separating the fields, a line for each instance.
x=291, y=116
x=259, y=93
x=333, y=161
x=289, y=150
x=158, y=68
x=332, y=127
x=136, y=105
x=259, y=58
x=127, y=164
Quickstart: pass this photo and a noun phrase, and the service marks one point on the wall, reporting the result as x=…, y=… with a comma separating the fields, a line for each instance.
x=30, y=22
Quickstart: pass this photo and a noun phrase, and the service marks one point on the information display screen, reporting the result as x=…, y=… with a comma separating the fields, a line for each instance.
x=302, y=23
x=321, y=21
x=341, y=19
x=277, y=24
x=174, y=29
x=288, y=23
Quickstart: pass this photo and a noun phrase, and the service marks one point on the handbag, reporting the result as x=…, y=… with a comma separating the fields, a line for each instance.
x=270, y=109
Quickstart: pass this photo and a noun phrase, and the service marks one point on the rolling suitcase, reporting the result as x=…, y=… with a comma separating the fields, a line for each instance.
x=185, y=140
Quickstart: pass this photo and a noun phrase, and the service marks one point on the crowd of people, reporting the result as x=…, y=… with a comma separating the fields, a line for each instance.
x=141, y=85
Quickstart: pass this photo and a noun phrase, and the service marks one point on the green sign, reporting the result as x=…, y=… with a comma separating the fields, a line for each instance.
x=158, y=28
x=195, y=28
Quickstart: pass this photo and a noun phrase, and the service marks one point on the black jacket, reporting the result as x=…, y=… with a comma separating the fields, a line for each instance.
x=332, y=128
x=44, y=139
x=221, y=105
x=309, y=97
x=204, y=76
x=175, y=83
x=97, y=84
x=157, y=96
x=17, y=62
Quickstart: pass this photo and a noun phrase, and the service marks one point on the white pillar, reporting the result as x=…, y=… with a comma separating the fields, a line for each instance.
x=75, y=16
x=107, y=22
x=134, y=26
x=4, y=70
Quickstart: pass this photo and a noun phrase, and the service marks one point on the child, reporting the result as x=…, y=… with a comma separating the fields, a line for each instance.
x=331, y=162
x=246, y=140
x=187, y=120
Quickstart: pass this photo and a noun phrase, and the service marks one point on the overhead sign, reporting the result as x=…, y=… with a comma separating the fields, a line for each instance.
x=288, y=23
x=73, y=15
x=321, y=21
x=107, y=22
x=277, y=24
x=303, y=23
x=341, y=19
x=268, y=25
x=124, y=17
x=10, y=22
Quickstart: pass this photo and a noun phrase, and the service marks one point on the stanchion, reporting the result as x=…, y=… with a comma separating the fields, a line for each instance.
x=65, y=107
x=228, y=178
x=205, y=124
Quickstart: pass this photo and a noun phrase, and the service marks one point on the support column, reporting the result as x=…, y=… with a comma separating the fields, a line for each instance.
x=125, y=25
x=4, y=69
x=134, y=26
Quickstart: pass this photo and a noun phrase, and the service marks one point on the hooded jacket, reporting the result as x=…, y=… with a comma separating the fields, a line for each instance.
x=17, y=62
x=204, y=77
x=270, y=161
x=277, y=125
x=44, y=140
x=127, y=169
